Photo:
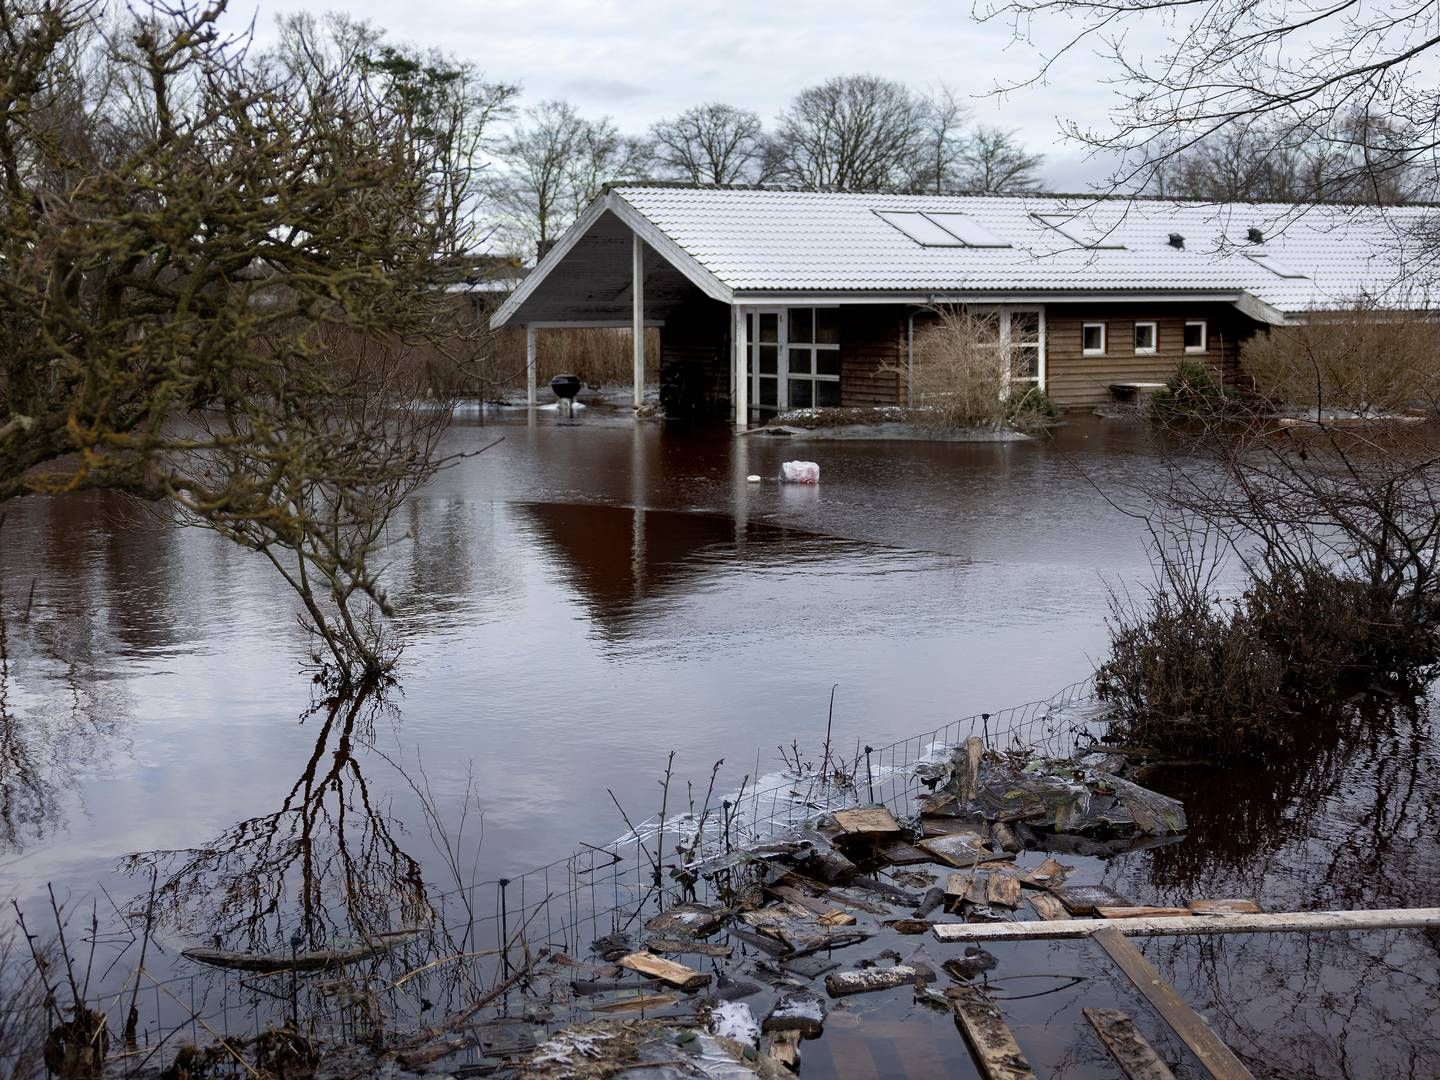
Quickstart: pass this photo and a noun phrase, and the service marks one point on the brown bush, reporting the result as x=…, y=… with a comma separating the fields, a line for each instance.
x=1359, y=361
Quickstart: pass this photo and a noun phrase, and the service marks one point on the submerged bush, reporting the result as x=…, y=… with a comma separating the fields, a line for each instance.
x=1194, y=676
x=1192, y=392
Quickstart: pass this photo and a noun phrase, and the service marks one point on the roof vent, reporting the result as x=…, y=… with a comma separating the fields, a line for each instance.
x=1176, y=240
x=1254, y=235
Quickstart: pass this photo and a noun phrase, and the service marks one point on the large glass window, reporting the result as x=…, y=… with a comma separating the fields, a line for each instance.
x=814, y=357
x=1019, y=335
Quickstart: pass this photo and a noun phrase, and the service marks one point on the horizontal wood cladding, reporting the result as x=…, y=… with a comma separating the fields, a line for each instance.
x=872, y=355
x=1073, y=379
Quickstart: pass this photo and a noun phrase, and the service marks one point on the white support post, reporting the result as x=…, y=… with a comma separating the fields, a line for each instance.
x=740, y=366
x=530, y=390
x=637, y=320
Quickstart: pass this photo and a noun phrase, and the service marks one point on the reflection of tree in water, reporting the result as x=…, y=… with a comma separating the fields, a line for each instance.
x=325, y=866
x=1349, y=817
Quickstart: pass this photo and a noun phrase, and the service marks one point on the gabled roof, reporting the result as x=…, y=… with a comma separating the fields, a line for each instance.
x=737, y=244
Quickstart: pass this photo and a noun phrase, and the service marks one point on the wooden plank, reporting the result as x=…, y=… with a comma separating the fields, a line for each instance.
x=1004, y=889
x=657, y=967
x=633, y=1004
x=1217, y=1058
x=899, y=853
x=1084, y=899
x=949, y=826
x=1047, y=907
x=962, y=850
x=997, y=1054
x=970, y=887
x=1135, y=1056
x=1224, y=907
x=867, y=821
x=1105, y=911
x=1047, y=875
x=1264, y=923
x=698, y=948
x=866, y=980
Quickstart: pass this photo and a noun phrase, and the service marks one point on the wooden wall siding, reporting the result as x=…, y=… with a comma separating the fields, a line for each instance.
x=872, y=340
x=1073, y=379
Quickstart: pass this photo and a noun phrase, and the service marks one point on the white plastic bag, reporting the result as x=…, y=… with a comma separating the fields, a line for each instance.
x=800, y=472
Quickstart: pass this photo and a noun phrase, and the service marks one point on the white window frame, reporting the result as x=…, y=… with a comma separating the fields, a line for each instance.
x=1204, y=345
x=1004, y=311
x=1154, y=346
x=814, y=347
x=1103, y=334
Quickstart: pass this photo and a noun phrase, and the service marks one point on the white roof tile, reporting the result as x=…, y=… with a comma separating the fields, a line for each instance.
x=772, y=240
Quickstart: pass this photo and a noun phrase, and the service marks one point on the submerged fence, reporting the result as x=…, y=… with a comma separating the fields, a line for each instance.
x=485, y=932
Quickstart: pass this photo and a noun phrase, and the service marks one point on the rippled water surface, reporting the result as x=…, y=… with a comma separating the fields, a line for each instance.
x=578, y=601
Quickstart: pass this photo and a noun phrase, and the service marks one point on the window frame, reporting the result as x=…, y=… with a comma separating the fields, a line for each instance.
x=1154, y=346
x=1104, y=335
x=813, y=375
x=1204, y=345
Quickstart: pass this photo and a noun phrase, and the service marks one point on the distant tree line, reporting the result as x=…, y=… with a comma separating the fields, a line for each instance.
x=851, y=133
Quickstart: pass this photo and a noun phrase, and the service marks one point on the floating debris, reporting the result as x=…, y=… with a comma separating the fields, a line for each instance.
x=801, y=1010
x=667, y=971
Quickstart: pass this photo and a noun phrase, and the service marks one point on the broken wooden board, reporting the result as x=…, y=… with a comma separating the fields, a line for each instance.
x=1196, y=925
x=1004, y=890
x=909, y=926
x=866, y=980
x=633, y=1004
x=966, y=775
x=1005, y=836
x=1084, y=899
x=874, y=821
x=961, y=850
x=967, y=887
x=699, y=948
x=899, y=853
x=1047, y=907
x=824, y=912
x=685, y=920
x=937, y=802
x=801, y=1011
x=950, y=826
x=1105, y=911
x=667, y=971
x=1047, y=875
x=783, y=1048
x=1224, y=907
x=1135, y=1056
x=1219, y=1060
x=997, y=1054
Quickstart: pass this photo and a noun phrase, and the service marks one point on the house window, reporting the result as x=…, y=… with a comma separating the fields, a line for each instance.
x=1195, y=336
x=1018, y=334
x=1092, y=339
x=813, y=364
x=1145, y=337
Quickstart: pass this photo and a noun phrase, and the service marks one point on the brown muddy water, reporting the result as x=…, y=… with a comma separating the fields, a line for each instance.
x=580, y=600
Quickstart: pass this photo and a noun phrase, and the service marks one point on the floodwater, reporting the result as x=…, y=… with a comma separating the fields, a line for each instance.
x=580, y=600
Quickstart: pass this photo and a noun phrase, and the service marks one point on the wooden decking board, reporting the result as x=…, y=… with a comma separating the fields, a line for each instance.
x=1217, y=1058
x=997, y=1054
x=1197, y=925
x=1132, y=1052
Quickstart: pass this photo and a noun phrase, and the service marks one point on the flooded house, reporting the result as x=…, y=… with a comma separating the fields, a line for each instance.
x=768, y=300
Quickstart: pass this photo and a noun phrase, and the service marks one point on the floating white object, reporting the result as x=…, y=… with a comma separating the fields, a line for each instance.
x=800, y=472
x=753, y=478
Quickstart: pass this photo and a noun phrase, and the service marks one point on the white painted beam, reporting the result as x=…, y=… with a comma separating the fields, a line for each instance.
x=1178, y=925
x=739, y=364
x=530, y=388
x=637, y=320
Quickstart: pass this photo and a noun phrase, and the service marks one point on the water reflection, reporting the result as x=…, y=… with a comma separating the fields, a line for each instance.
x=327, y=864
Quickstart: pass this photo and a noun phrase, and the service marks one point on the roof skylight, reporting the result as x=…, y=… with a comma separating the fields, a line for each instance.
x=938, y=229
x=1274, y=265
x=1079, y=232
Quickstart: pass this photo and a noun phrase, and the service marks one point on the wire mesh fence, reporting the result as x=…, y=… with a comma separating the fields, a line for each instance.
x=402, y=980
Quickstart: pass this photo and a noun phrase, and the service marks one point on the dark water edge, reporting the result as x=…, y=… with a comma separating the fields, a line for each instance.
x=579, y=601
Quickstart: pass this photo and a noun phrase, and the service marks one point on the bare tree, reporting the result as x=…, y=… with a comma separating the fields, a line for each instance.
x=943, y=141
x=192, y=245
x=713, y=143
x=854, y=132
x=1286, y=72
x=993, y=162
x=540, y=154
x=602, y=155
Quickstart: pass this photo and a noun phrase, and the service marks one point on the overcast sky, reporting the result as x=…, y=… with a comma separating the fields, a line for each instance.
x=640, y=60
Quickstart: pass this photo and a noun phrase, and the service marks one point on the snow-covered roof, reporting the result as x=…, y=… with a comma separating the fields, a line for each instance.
x=748, y=244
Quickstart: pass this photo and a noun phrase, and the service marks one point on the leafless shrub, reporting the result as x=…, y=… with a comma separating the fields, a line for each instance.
x=1356, y=361
x=960, y=377
x=22, y=1003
